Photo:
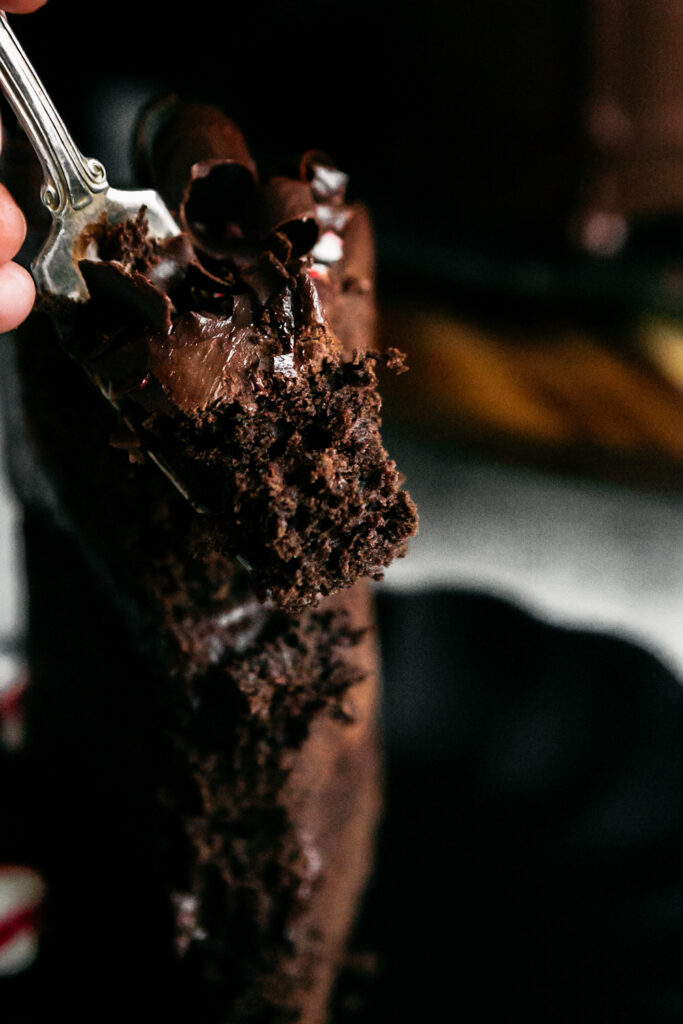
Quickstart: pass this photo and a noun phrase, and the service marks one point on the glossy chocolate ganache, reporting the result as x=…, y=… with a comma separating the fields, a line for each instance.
x=236, y=354
x=202, y=713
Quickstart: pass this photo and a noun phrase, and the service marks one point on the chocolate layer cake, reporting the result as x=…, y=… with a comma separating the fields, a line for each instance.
x=201, y=639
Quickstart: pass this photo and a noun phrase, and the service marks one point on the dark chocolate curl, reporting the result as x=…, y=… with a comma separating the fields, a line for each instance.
x=214, y=203
x=201, y=279
x=267, y=277
x=309, y=299
x=124, y=298
x=125, y=368
x=286, y=207
x=173, y=136
x=175, y=256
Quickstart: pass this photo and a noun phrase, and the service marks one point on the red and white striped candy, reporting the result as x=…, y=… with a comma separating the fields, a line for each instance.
x=22, y=892
x=319, y=272
x=12, y=711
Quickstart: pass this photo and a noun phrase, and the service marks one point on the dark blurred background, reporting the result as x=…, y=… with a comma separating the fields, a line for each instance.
x=479, y=132
x=451, y=119
x=524, y=167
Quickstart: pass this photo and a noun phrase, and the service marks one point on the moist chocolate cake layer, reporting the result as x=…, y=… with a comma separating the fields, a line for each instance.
x=217, y=351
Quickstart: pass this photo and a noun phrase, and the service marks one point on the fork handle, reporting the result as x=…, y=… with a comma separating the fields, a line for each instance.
x=71, y=180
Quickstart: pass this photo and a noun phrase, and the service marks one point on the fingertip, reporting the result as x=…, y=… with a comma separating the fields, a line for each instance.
x=12, y=226
x=21, y=6
x=17, y=295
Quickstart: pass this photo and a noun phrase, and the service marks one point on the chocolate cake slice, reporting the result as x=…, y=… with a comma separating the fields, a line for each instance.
x=217, y=350
x=202, y=646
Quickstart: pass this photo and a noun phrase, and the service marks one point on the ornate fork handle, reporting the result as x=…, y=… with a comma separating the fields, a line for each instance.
x=71, y=180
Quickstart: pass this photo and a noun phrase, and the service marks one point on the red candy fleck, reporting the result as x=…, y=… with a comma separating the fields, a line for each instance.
x=22, y=891
x=319, y=272
x=12, y=713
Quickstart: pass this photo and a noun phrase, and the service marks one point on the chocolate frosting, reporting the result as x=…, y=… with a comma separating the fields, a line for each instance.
x=218, y=349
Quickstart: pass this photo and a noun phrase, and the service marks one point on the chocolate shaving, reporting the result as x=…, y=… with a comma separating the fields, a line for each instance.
x=124, y=298
x=267, y=278
x=174, y=136
x=286, y=207
x=214, y=203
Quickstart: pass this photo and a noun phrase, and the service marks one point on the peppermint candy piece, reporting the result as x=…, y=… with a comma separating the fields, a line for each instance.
x=13, y=683
x=12, y=712
x=319, y=272
x=328, y=249
x=22, y=891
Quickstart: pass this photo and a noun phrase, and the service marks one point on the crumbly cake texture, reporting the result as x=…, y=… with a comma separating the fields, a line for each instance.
x=219, y=353
x=213, y=620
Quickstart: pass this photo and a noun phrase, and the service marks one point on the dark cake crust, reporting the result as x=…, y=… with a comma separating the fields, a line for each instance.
x=264, y=787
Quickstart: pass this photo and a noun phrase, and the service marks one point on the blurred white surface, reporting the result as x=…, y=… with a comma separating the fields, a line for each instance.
x=573, y=552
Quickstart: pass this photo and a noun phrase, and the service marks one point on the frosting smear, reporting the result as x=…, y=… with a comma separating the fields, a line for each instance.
x=218, y=348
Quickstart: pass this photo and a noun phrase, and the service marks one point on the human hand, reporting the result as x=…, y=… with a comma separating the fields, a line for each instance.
x=17, y=291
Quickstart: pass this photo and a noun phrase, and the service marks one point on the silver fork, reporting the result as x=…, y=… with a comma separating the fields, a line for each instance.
x=75, y=190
